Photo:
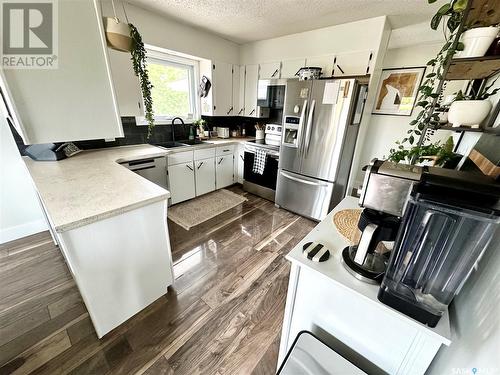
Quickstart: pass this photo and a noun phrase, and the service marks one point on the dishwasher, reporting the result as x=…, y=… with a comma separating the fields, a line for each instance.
x=152, y=169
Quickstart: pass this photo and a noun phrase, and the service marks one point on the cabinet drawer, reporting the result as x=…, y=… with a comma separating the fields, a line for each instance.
x=204, y=153
x=180, y=157
x=225, y=150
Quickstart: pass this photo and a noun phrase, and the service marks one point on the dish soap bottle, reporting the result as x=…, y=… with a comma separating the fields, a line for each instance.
x=191, y=133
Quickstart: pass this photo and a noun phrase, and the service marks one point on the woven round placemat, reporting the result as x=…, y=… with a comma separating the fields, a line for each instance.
x=346, y=223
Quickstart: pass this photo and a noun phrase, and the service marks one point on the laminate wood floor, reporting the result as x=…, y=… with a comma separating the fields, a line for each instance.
x=223, y=315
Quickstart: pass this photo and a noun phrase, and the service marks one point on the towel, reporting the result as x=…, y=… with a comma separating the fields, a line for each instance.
x=259, y=162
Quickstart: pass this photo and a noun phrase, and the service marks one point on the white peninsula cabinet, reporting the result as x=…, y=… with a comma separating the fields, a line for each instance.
x=325, y=299
x=76, y=100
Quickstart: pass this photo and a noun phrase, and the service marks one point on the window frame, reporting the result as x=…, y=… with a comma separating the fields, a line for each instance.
x=159, y=56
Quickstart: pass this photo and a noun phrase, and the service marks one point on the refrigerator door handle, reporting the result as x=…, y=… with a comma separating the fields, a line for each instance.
x=300, y=144
x=307, y=182
x=309, y=126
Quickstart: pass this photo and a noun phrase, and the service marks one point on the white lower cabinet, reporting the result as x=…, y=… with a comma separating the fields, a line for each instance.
x=181, y=181
x=205, y=176
x=239, y=163
x=224, y=170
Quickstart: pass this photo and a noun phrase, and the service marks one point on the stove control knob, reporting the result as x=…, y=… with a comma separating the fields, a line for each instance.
x=279, y=128
x=272, y=128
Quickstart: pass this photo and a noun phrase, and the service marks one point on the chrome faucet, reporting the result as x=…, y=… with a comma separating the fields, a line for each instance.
x=173, y=127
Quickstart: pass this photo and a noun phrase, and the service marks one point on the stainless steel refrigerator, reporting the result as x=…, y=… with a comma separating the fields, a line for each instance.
x=321, y=120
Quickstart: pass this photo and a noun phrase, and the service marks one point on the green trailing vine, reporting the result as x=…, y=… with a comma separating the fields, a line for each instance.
x=138, y=53
x=451, y=14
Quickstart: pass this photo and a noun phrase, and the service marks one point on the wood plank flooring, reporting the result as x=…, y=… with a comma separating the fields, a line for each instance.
x=223, y=315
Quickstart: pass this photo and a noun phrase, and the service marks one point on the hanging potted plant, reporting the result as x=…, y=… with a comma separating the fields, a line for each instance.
x=126, y=38
x=117, y=32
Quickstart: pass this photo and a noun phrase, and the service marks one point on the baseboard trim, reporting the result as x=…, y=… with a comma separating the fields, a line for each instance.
x=23, y=230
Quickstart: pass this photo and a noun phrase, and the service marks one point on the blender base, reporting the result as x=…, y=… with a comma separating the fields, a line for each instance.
x=407, y=308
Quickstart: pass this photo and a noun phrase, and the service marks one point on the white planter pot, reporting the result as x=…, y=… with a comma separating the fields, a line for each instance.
x=468, y=112
x=117, y=34
x=477, y=41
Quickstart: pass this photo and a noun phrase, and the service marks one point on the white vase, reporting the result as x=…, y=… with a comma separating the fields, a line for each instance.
x=477, y=41
x=468, y=112
x=117, y=34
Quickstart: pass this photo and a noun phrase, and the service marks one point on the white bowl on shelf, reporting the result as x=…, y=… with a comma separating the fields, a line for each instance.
x=468, y=112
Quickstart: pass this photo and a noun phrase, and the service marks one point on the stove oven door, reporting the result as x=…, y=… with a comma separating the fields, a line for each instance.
x=270, y=175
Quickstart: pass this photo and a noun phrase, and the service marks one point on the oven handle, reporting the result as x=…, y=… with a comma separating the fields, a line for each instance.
x=271, y=154
x=307, y=182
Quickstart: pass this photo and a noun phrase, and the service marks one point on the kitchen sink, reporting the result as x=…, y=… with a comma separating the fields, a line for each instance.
x=186, y=143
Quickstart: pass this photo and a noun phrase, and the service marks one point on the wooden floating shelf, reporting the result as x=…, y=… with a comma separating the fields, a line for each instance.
x=483, y=13
x=473, y=68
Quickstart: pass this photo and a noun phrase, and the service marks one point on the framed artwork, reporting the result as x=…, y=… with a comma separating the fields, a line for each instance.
x=397, y=91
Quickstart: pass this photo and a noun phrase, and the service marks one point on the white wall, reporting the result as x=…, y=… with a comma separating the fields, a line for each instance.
x=20, y=212
x=164, y=32
x=384, y=130
x=475, y=320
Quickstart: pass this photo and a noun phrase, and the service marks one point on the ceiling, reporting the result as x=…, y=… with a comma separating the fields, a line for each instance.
x=243, y=21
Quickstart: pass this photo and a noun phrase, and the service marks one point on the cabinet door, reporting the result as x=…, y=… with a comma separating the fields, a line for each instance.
x=251, y=82
x=224, y=171
x=205, y=176
x=240, y=109
x=352, y=64
x=290, y=67
x=324, y=62
x=269, y=70
x=75, y=101
x=127, y=86
x=207, y=103
x=239, y=163
x=181, y=182
x=223, y=88
x=236, y=90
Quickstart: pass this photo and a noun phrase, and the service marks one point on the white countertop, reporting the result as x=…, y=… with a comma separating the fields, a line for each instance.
x=92, y=186
x=326, y=233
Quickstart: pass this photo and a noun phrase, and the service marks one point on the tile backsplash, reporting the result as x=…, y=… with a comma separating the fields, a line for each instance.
x=134, y=134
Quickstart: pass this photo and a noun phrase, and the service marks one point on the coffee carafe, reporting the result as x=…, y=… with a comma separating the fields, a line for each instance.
x=368, y=259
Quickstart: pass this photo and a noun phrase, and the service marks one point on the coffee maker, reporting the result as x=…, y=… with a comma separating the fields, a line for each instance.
x=385, y=190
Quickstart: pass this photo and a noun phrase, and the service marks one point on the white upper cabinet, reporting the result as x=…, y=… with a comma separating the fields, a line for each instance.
x=75, y=101
x=352, y=63
x=223, y=88
x=207, y=106
x=127, y=86
x=236, y=90
x=270, y=70
x=251, y=82
x=290, y=67
x=324, y=62
x=240, y=109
